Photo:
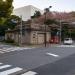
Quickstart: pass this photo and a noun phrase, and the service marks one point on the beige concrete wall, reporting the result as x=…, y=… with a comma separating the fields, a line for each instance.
x=37, y=37
x=48, y=35
x=26, y=38
x=33, y=37
x=6, y=35
x=16, y=39
x=41, y=38
x=9, y=35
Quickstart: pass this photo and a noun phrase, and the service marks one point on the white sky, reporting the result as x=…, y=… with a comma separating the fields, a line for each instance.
x=57, y=5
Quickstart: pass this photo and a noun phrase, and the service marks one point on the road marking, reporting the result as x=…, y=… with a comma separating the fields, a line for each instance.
x=2, y=52
x=10, y=71
x=5, y=66
x=11, y=49
x=1, y=63
x=66, y=46
x=52, y=54
x=5, y=51
x=30, y=73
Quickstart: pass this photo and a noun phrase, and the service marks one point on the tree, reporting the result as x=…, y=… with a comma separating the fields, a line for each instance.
x=12, y=21
x=36, y=14
x=65, y=32
x=5, y=12
x=2, y=30
x=50, y=21
x=5, y=8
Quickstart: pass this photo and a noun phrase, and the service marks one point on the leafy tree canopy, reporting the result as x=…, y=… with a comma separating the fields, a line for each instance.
x=36, y=14
x=6, y=8
x=50, y=21
x=12, y=21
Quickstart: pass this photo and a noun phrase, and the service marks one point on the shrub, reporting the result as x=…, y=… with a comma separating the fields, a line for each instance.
x=9, y=41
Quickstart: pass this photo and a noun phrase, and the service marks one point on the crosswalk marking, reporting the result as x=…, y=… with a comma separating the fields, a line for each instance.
x=7, y=48
x=2, y=52
x=1, y=63
x=10, y=71
x=30, y=73
x=5, y=66
x=5, y=51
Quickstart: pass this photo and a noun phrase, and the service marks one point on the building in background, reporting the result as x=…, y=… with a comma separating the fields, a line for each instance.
x=26, y=12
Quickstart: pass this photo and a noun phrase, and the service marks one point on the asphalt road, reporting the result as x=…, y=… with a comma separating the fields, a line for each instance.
x=65, y=66
x=43, y=61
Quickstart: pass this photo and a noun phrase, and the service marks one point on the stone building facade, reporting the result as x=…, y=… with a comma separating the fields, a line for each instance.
x=31, y=34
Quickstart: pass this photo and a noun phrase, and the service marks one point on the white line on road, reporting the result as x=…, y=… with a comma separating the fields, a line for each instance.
x=5, y=51
x=11, y=49
x=30, y=73
x=10, y=71
x=5, y=66
x=66, y=46
x=52, y=54
x=2, y=52
x=1, y=63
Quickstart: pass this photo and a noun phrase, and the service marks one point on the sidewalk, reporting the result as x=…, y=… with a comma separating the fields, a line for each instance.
x=32, y=45
x=41, y=45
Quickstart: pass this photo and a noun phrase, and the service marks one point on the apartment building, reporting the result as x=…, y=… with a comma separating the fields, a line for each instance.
x=26, y=12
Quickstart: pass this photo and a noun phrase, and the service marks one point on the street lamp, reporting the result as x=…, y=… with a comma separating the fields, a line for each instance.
x=46, y=11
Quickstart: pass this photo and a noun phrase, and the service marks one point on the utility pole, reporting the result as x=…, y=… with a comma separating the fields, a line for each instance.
x=60, y=31
x=46, y=11
x=45, y=30
x=21, y=32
